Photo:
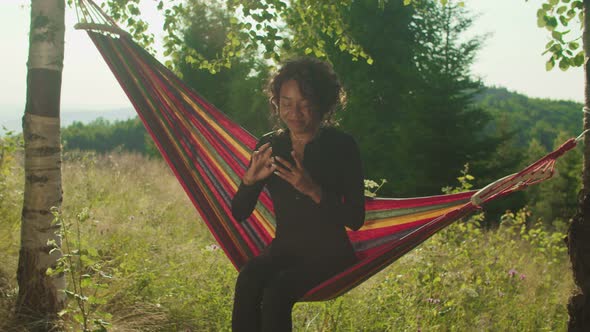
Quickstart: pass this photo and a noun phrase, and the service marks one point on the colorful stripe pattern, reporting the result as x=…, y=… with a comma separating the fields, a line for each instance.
x=209, y=154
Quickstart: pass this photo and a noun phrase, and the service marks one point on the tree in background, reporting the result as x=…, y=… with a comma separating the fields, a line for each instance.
x=103, y=136
x=238, y=90
x=377, y=99
x=556, y=199
x=448, y=127
x=41, y=297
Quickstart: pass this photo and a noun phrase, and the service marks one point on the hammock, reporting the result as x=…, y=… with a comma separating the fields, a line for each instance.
x=209, y=153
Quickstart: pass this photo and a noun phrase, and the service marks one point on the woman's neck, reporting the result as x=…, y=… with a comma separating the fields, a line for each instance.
x=303, y=138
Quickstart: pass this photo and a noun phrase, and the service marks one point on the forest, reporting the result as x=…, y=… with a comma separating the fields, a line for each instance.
x=425, y=125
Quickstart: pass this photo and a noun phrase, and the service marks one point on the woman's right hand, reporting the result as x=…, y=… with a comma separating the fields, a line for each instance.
x=261, y=165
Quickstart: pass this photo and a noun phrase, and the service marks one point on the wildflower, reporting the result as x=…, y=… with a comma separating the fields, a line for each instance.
x=512, y=272
x=522, y=276
x=433, y=301
x=212, y=247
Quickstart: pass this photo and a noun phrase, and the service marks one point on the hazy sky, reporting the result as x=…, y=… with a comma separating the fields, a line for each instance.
x=510, y=58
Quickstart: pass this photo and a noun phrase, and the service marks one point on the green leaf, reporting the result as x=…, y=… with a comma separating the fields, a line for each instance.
x=571, y=13
x=563, y=20
x=319, y=53
x=564, y=64
x=308, y=51
x=549, y=65
x=78, y=317
x=86, y=283
x=577, y=5
x=97, y=300
x=551, y=22
x=92, y=252
x=86, y=261
x=549, y=44
x=370, y=61
x=556, y=35
x=579, y=59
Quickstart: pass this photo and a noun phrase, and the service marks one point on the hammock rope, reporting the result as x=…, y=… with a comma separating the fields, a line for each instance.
x=209, y=153
x=579, y=138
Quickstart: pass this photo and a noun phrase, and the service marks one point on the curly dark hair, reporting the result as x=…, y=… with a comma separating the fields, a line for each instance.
x=317, y=82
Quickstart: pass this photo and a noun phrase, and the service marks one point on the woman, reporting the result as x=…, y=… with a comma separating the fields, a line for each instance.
x=314, y=176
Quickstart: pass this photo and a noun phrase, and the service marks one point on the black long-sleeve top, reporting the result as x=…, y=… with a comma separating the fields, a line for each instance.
x=305, y=228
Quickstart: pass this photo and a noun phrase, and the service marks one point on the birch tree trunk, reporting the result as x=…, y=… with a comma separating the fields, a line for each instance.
x=579, y=232
x=40, y=297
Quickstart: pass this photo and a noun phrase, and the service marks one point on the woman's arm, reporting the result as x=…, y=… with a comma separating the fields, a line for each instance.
x=245, y=200
x=259, y=169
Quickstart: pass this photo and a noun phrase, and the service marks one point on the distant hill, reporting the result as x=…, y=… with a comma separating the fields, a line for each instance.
x=11, y=116
x=529, y=118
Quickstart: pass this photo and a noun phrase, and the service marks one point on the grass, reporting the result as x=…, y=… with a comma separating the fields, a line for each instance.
x=162, y=272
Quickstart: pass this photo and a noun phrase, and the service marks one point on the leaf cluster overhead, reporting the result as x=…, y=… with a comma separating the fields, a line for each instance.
x=558, y=17
x=267, y=26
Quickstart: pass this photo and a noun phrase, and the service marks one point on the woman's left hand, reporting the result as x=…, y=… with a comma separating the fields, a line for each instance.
x=298, y=177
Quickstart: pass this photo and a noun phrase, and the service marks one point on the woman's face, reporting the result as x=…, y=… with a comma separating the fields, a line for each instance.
x=295, y=111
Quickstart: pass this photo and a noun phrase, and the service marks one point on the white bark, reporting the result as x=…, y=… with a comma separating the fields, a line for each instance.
x=46, y=39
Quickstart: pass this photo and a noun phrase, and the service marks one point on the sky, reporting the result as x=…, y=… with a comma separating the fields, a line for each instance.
x=511, y=58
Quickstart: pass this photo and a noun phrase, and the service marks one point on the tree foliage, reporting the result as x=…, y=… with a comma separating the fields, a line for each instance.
x=556, y=17
x=253, y=26
x=239, y=90
x=103, y=136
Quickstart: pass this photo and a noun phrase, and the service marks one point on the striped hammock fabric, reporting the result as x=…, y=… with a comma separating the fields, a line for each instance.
x=209, y=154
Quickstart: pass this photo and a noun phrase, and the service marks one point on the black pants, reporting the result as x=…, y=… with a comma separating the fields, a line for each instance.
x=268, y=287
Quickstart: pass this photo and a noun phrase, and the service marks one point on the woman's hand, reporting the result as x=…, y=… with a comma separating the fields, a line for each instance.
x=298, y=177
x=261, y=165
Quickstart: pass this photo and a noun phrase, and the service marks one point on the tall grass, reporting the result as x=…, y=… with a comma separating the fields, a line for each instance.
x=163, y=271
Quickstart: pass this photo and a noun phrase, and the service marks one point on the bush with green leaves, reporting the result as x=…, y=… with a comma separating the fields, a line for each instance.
x=84, y=268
